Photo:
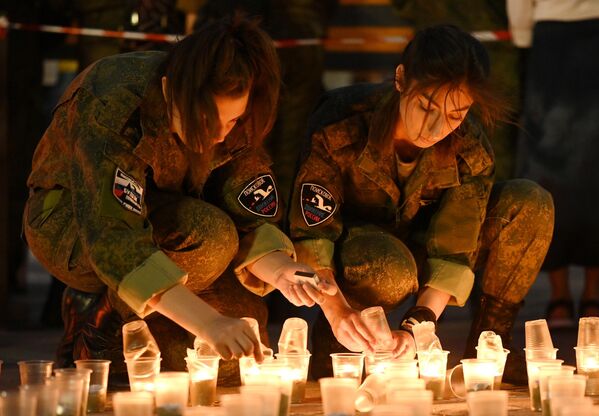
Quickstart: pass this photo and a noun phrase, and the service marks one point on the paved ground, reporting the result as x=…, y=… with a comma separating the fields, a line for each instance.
x=31, y=341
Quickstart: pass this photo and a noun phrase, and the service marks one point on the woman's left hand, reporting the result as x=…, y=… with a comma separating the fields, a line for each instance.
x=405, y=346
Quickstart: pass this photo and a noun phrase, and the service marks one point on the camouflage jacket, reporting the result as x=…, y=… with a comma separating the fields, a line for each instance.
x=345, y=178
x=110, y=144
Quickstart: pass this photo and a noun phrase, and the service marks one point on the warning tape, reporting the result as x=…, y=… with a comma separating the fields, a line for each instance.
x=483, y=36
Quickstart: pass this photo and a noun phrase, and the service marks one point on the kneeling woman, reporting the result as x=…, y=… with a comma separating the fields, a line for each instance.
x=150, y=192
x=395, y=196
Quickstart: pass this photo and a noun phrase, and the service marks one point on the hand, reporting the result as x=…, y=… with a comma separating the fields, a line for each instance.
x=351, y=332
x=232, y=338
x=405, y=346
x=301, y=292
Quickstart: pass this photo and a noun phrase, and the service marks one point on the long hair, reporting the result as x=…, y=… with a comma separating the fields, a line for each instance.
x=229, y=56
x=441, y=56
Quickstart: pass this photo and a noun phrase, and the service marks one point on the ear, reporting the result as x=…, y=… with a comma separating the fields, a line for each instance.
x=164, y=86
x=399, y=78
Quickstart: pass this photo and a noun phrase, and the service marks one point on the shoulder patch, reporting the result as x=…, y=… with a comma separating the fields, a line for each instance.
x=318, y=204
x=127, y=191
x=260, y=197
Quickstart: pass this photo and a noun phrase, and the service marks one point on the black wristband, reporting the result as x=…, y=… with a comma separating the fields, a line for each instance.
x=415, y=315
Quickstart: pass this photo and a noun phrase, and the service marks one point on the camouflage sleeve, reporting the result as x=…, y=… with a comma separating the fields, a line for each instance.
x=247, y=191
x=108, y=186
x=452, y=236
x=315, y=213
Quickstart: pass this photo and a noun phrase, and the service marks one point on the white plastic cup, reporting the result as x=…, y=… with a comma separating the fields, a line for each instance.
x=172, y=392
x=541, y=353
x=133, y=403
x=377, y=362
x=545, y=373
x=46, y=396
x=15, y=403
x=203, y=374
x=487, y=403
x=402, y=368
x=338, y=395
x=70, y=394
x=534, y=389
x=588, y=332
x=587, y=363
x=35, y=371
x=348, y=365
x=142, y=373
x=294, y=336
x=98, y=383
x=499, y=357
x=271, y=399
x=570, y=406
x=371, y=393
x=571, y=386
x=375, y=319
x=297, y=370
x=399, y=386
x=433, y=369
x=241, y=404
x=138, y=341
x=420, y=401
x=84, y=373
x=537, y=335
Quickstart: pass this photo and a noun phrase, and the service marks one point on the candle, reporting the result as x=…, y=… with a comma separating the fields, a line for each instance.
x=587, y=363
x=433, y=368
x=202, y=390
x=96, y=401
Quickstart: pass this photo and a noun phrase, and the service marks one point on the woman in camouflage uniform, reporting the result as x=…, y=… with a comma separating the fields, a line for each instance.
x=395, y=196
x=150, y=192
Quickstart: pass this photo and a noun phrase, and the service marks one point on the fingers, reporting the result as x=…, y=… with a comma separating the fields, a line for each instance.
x=292, y=296
x=363, y=329
x=327, y=288
x=309, y=294
x=256, y=346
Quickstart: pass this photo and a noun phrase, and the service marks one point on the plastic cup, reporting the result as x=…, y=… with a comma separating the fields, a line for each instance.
x=587, y=363
x=138, y=341
x=46, y=396
x=14, y=403
x=371, y=393
x=172, y=393
x=376, y=320
x=203, y=374
x=545, y=373
x=420, y=401
x=532, y=369
x=271, y=399
x=142, y=373
x=348, y=365
x=35, y=371
x=473, y=374
x=241, y=404
x=98, y=383
x=402, y=368
x=536, y=334
x=588, y=332
x=297, y=370
x=570, y=386
x=392, y=410
x=84, y=373
x=499, y=357
x=377, y=362
x=540, y=353
x=70, y=393
x=205, y=411
x=338, y=395
x=570, y=406
x=433, y=369
x=399, y=386
x=274, y=375
x=133, y=403
x=294, y=336
x=487, y=403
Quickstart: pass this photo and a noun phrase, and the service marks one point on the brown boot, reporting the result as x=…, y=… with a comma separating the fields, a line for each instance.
x=499, y=316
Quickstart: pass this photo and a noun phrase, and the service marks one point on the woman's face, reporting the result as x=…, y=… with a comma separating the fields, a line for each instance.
x=230, y=110
x=431, y=115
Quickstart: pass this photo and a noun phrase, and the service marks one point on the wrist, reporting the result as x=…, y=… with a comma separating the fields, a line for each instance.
x=415, y=315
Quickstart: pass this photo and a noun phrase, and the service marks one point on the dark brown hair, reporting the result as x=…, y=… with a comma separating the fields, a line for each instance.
x=441, y=56
x=228, y=56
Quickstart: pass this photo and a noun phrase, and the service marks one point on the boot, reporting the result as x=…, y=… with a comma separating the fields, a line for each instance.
x=323, y=344
x=499, y=316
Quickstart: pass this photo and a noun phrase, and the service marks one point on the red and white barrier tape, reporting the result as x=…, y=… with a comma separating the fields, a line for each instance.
x=483, y=36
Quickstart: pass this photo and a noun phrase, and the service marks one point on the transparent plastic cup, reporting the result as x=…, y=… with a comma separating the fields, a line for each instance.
x=98, y=383
x=14, y=403
x=297, y=370
x=241, y=404
x=377, y=362
x=499, y=357
x=71, y=389
x=399, y=386
x=275, y=376
x=138, y=341
x=487, y=403
x=203, y=374
x=142, y=373
x=172, y=392
x=540, y=353
x=294, y=336
x=475, y=375
x=587, y=363
x=271, y=399
x=348, y=365
x=46, y=396
x=571, y=386
x=133, y=403
x=588, y=332
x=570, y=406
x=402, y=368
x=205, y=411
x=84, y=373
x=371, y=393
x=537, y=335
x=35, y=371
x=376, y=321
x=433, y=369
x=545, y=373
x=532, y=369
x=338, y=396
x=420, y=401
x=392, y=410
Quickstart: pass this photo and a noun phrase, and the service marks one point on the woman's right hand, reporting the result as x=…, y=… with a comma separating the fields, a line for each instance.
x=232, y=338
x=350, y=330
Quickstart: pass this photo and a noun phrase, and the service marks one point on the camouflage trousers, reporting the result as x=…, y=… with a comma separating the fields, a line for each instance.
x=201, y=239
x=377, y=268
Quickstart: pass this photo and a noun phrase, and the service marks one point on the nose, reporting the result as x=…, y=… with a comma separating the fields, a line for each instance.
x=435, y=125
x=222, y=133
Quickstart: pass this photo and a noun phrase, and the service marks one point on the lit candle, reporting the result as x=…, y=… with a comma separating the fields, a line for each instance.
x=433, y=368
x=203, y=372
x=96, y=401
x=587, y=363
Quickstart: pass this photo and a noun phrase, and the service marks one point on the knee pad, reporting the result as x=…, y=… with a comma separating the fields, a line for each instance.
x=377, y=269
